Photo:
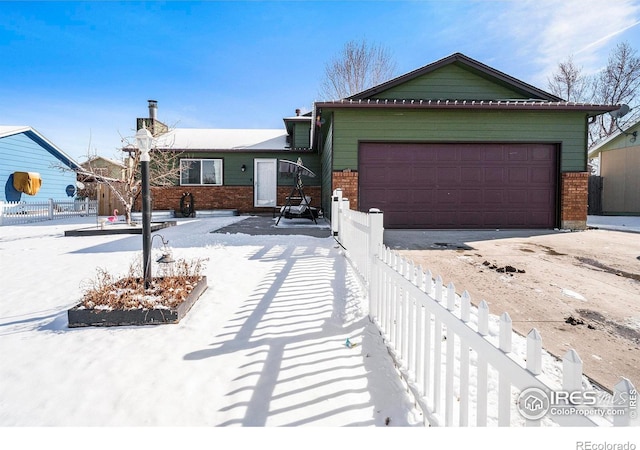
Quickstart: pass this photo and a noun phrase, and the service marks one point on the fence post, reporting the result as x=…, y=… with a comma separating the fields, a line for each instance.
x=376, y=235
x=534, y=352
x=504, y=387
x=335, y=207
x=465, y=306
x=50, y=209
x=571, y=371
x=1, y=212
x=483, y=318
x=465, y=309
x=505, y=332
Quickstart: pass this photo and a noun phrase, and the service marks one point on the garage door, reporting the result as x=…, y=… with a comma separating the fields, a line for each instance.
x=459, y=185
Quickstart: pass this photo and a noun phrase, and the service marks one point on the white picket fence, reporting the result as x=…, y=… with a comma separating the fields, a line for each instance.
x=15, y=213
x=463, y=365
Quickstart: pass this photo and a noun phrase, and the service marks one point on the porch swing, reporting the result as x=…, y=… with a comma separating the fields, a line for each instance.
x=304, y=209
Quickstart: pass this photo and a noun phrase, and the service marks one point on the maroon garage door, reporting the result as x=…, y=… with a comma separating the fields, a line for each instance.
x=459, y=185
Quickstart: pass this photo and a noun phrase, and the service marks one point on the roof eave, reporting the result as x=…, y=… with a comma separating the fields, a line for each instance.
x=591, y=109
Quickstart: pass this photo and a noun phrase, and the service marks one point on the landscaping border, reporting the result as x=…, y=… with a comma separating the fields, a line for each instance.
x=83, y=317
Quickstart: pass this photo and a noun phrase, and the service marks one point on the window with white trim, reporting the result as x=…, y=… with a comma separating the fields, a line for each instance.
x=201, y=172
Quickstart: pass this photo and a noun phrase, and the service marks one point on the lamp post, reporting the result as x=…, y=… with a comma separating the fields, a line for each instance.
x=143, y=139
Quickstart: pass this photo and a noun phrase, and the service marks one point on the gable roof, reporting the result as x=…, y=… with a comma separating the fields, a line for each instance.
x=471, y=64
x=631, y=129
x=199, y=139
x=532, y=98
x=10, y=130
x=102, y=158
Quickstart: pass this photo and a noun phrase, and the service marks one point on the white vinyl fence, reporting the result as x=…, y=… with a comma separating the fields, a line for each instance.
x=463, y=365
x=15, y=213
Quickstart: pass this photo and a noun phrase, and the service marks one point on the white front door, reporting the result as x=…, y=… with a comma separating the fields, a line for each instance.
x=265, y=182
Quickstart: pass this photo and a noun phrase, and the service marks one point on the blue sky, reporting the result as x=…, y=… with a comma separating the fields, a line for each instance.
x=81, y=72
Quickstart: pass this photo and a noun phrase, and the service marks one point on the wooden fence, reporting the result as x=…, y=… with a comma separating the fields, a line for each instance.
x=15, y=213
x=595, y=195
x=463, y=365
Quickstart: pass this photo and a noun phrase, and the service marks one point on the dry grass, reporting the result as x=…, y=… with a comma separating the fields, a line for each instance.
x=107, y=291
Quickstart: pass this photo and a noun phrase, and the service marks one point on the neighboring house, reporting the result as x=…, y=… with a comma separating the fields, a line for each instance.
x=25, y=151
x=457, y=144
x=619, y=167
x=105, y=167
x=235, y=169
x=97, y=180
x=454, y=144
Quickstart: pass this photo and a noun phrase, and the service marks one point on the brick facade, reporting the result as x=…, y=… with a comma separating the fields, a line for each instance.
x=239, y=198
x=348, y=182
x=574, y=200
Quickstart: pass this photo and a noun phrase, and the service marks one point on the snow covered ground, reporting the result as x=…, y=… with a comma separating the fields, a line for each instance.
x=264, y=346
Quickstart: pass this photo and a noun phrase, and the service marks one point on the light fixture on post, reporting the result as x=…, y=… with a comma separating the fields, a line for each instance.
x=165, y=261
x=144, y=139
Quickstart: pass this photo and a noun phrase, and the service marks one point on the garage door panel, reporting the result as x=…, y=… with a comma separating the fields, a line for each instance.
x=422, y=175
x=471, y=175
x=518, y=175
x=538, y=196
x=448, y=175
x=470, y=196
x=493, y=196
x=396, y=176
x=375, y=175
x=517, y=154
x=470, y=154
x=444, y=154
x=542, y=153
x=540, y=175
x=494, y=175
x=447, y=197
x=492, y=153
x=518, y=198
x=460, y=185
x=422, y=196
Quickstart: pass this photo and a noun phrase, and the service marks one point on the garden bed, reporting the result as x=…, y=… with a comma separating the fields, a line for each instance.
x=118, y=228
x=126, y=302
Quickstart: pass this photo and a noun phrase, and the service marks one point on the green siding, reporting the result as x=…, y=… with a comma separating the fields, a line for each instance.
x=327, y=173
x=232, y=164
x=301, y=138
x=353, y=125
x=451, y=82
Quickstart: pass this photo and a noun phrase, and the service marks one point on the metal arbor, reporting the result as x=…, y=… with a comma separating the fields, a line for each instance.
x=299, y=170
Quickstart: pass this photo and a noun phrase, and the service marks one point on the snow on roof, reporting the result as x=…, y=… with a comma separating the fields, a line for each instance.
x=8, y=130
x=223, y=139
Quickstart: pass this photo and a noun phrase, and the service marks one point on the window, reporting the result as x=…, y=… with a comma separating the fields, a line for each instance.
x=201, y=171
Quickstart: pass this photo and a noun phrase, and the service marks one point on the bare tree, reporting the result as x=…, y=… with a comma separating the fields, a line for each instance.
x=569, y=83
x=616, y=84
x=164, y=171
x=359, y=66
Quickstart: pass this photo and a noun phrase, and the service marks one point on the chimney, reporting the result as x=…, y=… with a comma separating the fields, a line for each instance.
x=297, y=112
x=153, y=109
